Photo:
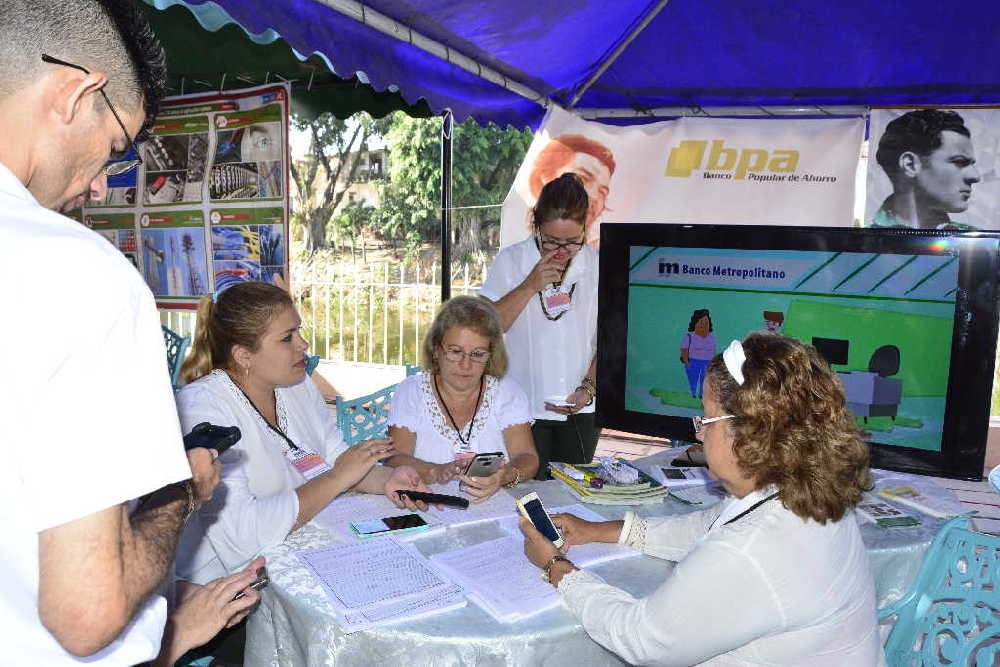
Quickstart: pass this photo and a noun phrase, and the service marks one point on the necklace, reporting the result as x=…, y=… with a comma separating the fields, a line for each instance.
x=291, y=445
x=444, y=404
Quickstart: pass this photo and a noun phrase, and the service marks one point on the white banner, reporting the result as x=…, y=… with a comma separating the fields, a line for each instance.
x=694, y=170
x=934, y=168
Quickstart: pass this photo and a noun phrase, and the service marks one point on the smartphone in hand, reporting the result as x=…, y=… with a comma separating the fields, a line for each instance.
x=532, y=509
x=484, y=465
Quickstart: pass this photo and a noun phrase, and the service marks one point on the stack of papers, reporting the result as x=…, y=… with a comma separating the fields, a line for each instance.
x=497, y=577
x=580, y=482
x=380, y=581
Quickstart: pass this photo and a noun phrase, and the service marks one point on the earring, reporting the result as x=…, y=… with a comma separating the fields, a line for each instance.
x=247, y=369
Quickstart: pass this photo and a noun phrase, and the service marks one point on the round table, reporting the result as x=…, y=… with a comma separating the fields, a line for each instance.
x=296, y=625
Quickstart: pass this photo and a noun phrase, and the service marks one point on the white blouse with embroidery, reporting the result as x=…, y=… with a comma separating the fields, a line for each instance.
x=415, y=408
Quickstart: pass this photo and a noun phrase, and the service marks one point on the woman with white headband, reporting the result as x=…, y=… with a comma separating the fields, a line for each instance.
x=776, y=573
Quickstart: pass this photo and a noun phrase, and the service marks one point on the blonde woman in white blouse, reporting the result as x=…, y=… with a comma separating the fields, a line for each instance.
x=462, y=404
x=777, y=574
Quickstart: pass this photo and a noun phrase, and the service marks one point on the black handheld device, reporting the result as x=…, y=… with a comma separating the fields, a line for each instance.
x=435, y=498
x=209, y=436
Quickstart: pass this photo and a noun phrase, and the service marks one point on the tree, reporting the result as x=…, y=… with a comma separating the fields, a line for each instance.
x=485, y=161
x=335, y=150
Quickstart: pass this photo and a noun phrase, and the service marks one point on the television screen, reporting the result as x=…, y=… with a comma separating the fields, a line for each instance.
x=906, y=318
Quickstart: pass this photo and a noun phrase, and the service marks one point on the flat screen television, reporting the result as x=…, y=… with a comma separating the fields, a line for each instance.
x=906, y=318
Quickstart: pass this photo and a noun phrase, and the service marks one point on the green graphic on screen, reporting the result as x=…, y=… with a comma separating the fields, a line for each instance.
x=883, y=321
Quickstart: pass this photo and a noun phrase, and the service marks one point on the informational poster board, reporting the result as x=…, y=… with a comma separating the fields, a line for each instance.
x=768, y=171
x=934, y=168
x=209, y=205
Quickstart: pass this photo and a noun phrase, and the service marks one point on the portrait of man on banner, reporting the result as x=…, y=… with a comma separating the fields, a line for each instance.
x=591, y=160
x=933, y=169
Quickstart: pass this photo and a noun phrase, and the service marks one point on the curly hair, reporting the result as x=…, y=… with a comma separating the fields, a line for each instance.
x=467, y=312
x=792, y=427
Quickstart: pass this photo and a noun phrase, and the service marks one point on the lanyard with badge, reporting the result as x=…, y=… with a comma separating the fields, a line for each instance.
x=555, y=299
x=310, y=465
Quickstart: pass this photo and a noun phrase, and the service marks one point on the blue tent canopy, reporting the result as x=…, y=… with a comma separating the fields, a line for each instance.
x=504, y=61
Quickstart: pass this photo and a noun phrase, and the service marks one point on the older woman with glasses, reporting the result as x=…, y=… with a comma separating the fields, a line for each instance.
x=545, y=290
x=462, y=404
x=776, y=573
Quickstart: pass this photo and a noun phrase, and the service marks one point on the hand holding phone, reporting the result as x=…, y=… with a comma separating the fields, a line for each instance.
x=484, y=465
x=210, y=436
x=532, y=509
x=260, y=582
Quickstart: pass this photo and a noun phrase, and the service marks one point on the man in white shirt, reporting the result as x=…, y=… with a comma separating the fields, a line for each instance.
x=86, y=407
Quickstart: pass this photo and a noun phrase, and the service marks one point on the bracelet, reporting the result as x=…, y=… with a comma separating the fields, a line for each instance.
x=547, y=568
x=590, y=393
x=192, y=501
x=517, y=478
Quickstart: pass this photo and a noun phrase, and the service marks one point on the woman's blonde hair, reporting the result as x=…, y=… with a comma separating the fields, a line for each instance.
x=792, y=427
x=239, y=316
x=467, y=312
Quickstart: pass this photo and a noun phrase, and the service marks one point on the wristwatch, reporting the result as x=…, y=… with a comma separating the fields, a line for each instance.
x=547, y=568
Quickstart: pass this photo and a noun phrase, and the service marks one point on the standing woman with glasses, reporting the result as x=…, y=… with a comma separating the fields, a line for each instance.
x=247, y=369
x=462, y=405
x=545, y=291
x=776, y=573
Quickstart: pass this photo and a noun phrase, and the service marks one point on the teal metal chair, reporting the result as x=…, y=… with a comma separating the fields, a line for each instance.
x=365, y=417
x=951, y=616
x=312, y=361
x=412, y=369
x=176, y=350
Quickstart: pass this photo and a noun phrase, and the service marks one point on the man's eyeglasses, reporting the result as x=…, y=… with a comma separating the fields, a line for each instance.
x=551, y=244
x=118, y=167
x=456, y=356
x=700, y=421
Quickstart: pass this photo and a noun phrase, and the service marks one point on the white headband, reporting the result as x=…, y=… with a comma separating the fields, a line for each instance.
x=734, y=358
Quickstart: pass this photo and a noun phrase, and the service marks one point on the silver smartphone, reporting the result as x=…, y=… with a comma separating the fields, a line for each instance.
x=484, y=465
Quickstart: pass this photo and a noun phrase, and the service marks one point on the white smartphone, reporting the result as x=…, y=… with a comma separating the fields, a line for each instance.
x=391, y=524
x=531, y=508
x=484, y=465
x=558, y=401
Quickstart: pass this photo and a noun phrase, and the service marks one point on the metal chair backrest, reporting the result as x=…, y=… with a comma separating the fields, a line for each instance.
x=412, y=369
x=176, y=349
x=365, y=417
x=312, y=361
x=951, y=616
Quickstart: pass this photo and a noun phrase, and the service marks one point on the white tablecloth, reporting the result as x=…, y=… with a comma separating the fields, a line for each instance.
x=295, y=624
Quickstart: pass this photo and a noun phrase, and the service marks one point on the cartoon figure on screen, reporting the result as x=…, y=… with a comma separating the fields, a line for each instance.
x=697, y=349
x=774, y=320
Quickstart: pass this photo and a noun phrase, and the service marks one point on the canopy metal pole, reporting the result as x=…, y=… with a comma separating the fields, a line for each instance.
x=617, y=52
x=730, y=111
x=404, y=33
x=447, y=132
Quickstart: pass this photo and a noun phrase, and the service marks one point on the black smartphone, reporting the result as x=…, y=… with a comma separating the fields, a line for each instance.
x=260, y=582
x=389, y=524
x=210, y=436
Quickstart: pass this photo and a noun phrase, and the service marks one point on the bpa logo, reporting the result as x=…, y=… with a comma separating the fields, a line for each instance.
x=689, y=155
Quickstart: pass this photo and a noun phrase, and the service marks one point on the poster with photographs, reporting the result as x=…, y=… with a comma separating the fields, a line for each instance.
x=934, y=168
x=173, y=253
x=208, y=206
x=118, y=229
x=175, y=158
x=247, y=244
